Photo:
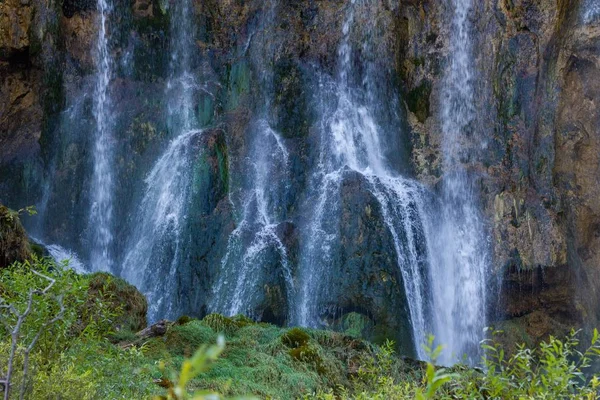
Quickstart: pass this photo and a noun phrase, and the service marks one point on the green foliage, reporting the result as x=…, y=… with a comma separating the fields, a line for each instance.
x=435, y=378
x=554, y=370
x=295, y=337
x=14, y=245
x=44, y=308
x=191, y=368
x=72, y=358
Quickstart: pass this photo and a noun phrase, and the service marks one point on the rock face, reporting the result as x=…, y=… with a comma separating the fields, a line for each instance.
x=535, y=156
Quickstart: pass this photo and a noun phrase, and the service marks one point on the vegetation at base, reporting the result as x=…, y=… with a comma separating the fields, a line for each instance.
x=89, y=351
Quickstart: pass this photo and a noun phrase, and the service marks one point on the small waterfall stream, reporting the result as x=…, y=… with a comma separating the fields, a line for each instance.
x=154, y=249
x=459, y=254
x=256, y=236
x=101, y=187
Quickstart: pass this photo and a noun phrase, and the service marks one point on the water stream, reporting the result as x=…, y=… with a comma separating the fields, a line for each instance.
x=255, y=241
x=101, y=187
x=460, y=255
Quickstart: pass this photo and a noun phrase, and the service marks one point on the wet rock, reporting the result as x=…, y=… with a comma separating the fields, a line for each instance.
x=15, y=20
x=79, y=35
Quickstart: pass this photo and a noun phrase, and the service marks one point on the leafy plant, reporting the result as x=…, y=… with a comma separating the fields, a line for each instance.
x=43, y=307
x=200, y=362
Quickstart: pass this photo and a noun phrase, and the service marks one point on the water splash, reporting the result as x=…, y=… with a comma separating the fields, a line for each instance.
x=66, y=257
x=101, y=192
x=459, y=250
x=63, y=256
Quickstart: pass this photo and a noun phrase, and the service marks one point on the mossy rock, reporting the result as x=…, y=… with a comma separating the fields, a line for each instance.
x=295, y=338
x=184, y=319
x=291, y=105
x=123, y=298
x=14, y=245
x=222, y=324
x=356, y=325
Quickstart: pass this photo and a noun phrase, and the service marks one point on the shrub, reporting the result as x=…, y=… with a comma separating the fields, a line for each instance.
x=295, y=337
x=40, y=315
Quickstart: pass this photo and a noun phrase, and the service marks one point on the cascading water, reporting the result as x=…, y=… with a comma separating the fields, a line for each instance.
x=101, y=189
x=256, y=236
x=352, y=140
x=154, y=250
x=459, y=254
x=152, y=259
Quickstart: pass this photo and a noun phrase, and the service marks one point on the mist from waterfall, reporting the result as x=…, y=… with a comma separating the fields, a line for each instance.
x=459, y=255
x=102, y=186
x=353, y=140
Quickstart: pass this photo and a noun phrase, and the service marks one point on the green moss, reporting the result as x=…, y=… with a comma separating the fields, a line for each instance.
x=238, y=83
x=123, y=297
x=184, y=319
x=295, y=337
x=221, y=323
x=185, y=339
x=292, y=114
x=206, y=109
x=223, y=164
x=14, y=245
x=356, y=325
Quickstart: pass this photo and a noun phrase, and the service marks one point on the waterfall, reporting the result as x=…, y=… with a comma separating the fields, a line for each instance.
x=101, y=189
x=459, y=255
x=154, y=251
x=256, y=234
x=154, y=248
x=352, y=140
x=256, y=237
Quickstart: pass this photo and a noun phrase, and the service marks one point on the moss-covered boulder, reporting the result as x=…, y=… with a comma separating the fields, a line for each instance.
x=14, y=245
x=128, y=304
